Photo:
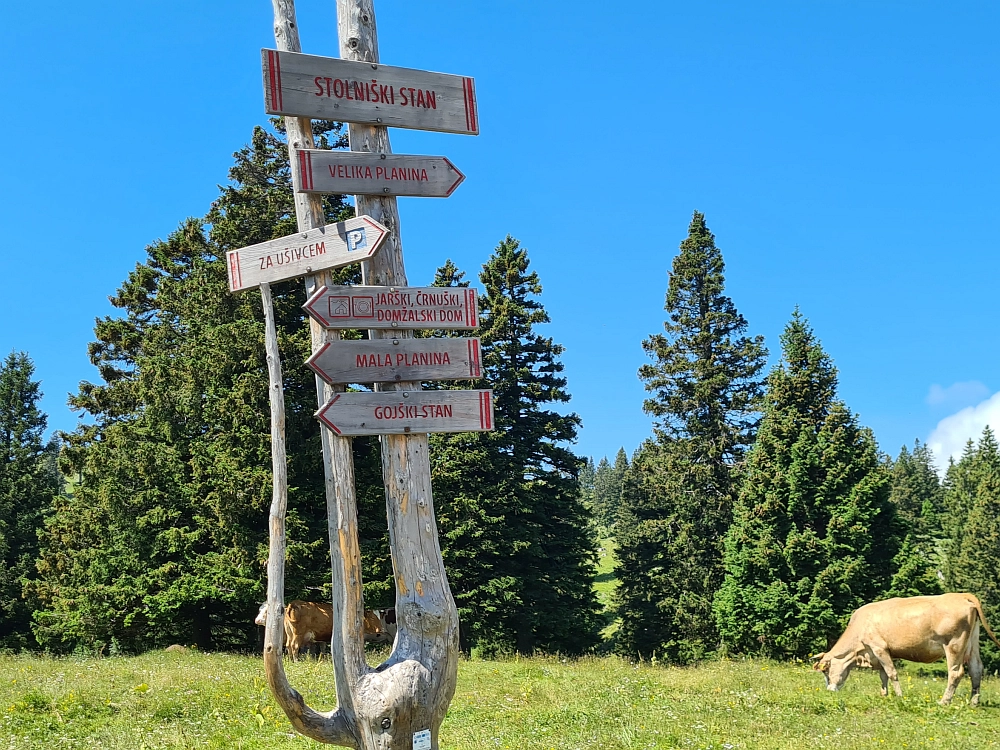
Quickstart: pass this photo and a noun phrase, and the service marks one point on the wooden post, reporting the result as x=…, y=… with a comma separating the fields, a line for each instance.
x=426, y=651
x=336, y=727
x=401, y=705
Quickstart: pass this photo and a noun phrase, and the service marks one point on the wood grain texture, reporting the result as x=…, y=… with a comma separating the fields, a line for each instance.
x=421, y=673
x=376, y=174
x=391, y=360
x=330, y=88
x=340, y=725
x=453, y=308
x=333, y=727
x=403, y=412
x=319, y=249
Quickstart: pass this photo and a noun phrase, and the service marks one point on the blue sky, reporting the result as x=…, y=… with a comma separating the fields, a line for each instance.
x=845, y=155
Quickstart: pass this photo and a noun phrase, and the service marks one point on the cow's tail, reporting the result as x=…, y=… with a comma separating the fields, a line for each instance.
x=982, y=618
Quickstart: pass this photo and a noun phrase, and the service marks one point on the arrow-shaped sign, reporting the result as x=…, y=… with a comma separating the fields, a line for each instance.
x=331, y=246
x=397, y=412
x=388, y=360
x=443, y=307
x=359, y=173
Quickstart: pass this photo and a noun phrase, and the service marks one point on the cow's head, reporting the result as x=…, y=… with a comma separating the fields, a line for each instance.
x=834, y=669
x=261, y=618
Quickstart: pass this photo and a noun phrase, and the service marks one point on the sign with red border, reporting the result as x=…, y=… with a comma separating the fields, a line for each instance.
x=360, y=173
x=330, y=246
x=329, y=88
x=450, y=308
x=393, y=360
x=400, y=412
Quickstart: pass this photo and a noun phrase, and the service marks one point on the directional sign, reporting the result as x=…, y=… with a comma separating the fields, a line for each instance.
x=395, y=412
x=387, y=360
x=332, y=246
x=395, y=307
x=359, y=173
x=328, y=88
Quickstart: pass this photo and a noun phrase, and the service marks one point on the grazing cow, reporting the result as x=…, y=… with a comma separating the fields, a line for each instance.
x=261, y=619
x=307, y=623
x=916, y=628
x=387, y=620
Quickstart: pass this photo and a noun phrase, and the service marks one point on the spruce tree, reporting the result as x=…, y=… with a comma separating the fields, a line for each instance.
x=677, y=498
x=586, y=482
x=514, y=529
x=919, y=501
x=814, y=533
x=961, y=489
x=608, y=480
x=975, y=551
x=28, y=485
x=164, y=538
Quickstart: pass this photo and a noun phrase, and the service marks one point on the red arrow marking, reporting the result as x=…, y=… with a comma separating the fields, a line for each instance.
x=461, y=177
x=381, y=235
x=311, y=362
x=323, y=418
x=309, y=305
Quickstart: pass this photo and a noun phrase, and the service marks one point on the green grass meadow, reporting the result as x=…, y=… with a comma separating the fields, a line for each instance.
x=193, y=700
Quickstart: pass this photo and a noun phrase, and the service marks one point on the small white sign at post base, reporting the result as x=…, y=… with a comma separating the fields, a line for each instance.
x=422, y=740
x=320, y=249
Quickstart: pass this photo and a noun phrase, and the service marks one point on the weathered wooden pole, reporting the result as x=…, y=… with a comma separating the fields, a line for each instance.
x=335, y=727
x=399, y=706
x=426, y=650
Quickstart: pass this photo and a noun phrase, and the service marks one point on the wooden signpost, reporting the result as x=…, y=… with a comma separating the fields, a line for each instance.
x=390, y=360
x=329, y=88
x=324, y=171
x=401, y=412
x=447, y=308
x=323, y=248
x=401, y=704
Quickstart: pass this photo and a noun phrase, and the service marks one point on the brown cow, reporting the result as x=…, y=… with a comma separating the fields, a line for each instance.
x=306, y=623
x=310, y=622
x=387, y=623
x=916, y=628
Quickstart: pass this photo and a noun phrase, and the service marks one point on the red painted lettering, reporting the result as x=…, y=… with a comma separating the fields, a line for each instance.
x=339, y=87
x=319, y=86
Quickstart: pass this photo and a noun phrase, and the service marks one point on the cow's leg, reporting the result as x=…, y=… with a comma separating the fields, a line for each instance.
x=955, y=671
x=975, y=672
x=887, y=670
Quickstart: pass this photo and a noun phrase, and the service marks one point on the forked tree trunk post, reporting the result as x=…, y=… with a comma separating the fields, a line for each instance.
x=407, y=696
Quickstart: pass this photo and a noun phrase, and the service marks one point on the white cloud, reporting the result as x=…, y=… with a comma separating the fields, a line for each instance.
x=957, y=394
x=949, y=437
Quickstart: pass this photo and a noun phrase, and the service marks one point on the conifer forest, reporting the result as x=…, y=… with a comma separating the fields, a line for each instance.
x=757, y=515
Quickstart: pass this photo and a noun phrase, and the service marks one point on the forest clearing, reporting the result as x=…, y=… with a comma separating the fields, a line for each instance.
x=195, y=700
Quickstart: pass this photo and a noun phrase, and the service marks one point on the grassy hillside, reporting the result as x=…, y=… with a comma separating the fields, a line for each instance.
x=193, y=700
